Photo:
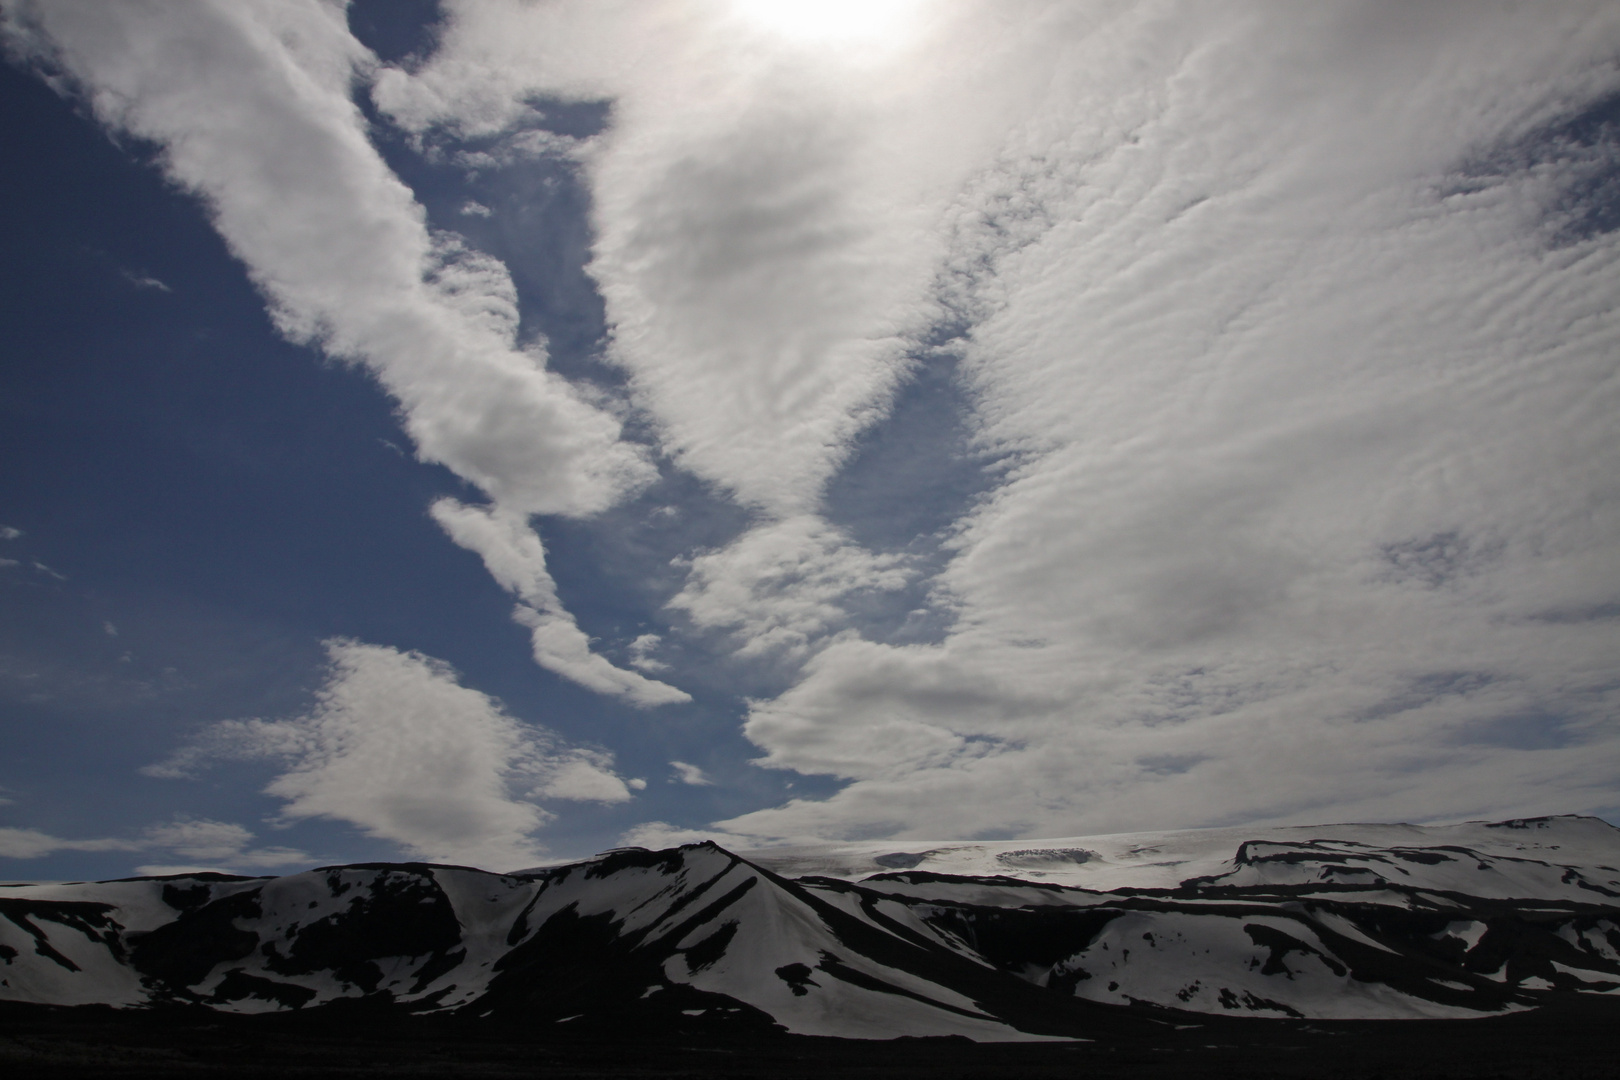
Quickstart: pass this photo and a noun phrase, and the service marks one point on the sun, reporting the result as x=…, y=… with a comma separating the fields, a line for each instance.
x=830, y=21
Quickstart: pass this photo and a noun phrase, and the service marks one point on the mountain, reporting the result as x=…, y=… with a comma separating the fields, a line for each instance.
x=1066, y=939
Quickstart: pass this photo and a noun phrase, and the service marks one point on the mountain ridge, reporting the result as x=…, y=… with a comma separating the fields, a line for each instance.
x=1306, y=924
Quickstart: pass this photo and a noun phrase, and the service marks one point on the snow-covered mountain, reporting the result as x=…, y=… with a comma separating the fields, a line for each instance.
x=1027, y=940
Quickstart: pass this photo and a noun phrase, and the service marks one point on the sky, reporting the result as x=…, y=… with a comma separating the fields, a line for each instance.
x=494, y=431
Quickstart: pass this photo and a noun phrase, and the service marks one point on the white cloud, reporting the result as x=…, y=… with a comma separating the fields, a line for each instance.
x=767, y=224
x=517, y=147
x=217, y=842
x=269, y=858
x=251, y=104
x=640, y=653
x=779, y=586
x=200, y=839
x=661, y=834
x=146, y=281
x=229, y=740
x=582, y=776
x=397, y=747
x=691, y=774
x=771, y=229
x=9, y=533
x=1310, y=455
x=1301, y=378
x=32, y=843
x=516, y=558
x=1253, y=347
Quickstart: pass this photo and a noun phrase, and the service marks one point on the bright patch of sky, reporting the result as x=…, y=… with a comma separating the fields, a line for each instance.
x=490, y=431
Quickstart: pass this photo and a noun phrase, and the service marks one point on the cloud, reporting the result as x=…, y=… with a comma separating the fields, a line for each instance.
x=217, y=842
x=398, y=748
x=516, y=558
x=640, y=650
x=768, y=241
x=31, y=844
x=145, y=281
x=782, y=585
x=1279, y=373
x=691, y=774
x=1284, y=423
x=767, y=223
x=251, y=105
x=661, y=834
x=1290, y=328
x=582, y=776
x=200, y=839
x=1300, y=405
x=9, y=533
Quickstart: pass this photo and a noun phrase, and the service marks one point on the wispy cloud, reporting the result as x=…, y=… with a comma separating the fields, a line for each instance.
x=145, y=281
x=222, y=845
x=252, y=103
x=32, y=843
x=691, y=774
x=218, y=842
x=516, y=558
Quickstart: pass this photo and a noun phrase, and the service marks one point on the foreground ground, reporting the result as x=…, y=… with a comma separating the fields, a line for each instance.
x=1577, y=1040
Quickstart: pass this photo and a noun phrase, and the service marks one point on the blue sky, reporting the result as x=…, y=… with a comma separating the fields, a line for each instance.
x=493, y=432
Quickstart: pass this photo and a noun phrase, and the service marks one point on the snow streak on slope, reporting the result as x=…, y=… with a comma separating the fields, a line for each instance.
x=1338, y=922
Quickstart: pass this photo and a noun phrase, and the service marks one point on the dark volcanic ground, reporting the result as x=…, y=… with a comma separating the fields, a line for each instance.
x=1576, y=1039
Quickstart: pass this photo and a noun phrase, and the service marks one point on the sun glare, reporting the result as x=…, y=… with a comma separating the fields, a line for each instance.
x=829, y=21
